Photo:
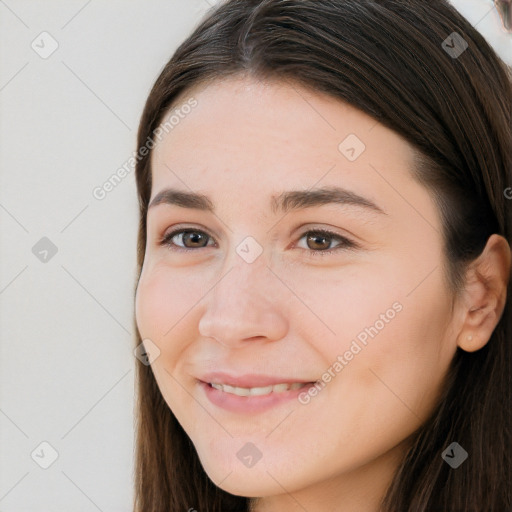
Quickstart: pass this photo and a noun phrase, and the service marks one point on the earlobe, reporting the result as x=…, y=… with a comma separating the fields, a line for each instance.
x=470, y=343
x=485, y=294
x=481, y=323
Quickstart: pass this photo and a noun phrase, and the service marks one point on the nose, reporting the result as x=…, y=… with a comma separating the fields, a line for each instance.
x=248, y=303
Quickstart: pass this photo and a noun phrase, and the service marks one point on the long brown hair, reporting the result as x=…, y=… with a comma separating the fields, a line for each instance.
x=387, y=58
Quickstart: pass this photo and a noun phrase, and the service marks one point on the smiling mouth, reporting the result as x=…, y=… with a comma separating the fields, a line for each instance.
x=259, y=391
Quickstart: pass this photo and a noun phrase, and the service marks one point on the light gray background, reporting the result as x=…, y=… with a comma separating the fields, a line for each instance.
x=67, y=123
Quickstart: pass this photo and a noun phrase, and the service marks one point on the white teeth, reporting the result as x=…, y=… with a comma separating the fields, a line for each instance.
x=277, y=388
x=260, y=391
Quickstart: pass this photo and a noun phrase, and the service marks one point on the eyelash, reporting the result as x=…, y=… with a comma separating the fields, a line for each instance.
x=345, y=243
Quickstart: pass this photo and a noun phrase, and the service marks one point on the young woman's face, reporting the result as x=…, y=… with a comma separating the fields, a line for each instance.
x=259, y=300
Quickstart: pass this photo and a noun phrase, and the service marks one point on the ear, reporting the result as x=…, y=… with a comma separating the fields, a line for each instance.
x=485, y=294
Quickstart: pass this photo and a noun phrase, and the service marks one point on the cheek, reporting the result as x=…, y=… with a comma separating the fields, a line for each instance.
x=388, y=355
x=164, y=298
x=163, y=308
x=399, y=366
x=335, y=307
x=149, y=307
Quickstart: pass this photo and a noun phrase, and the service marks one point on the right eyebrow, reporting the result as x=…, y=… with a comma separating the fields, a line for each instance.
x=183, y=199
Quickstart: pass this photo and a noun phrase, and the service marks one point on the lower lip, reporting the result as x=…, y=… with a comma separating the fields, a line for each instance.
x=250, y=404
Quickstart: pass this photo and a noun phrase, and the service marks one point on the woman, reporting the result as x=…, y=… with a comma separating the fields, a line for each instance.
x=324, y=263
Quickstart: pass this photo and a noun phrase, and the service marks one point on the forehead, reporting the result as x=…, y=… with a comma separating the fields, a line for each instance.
x=255, y=138
x=245, y=119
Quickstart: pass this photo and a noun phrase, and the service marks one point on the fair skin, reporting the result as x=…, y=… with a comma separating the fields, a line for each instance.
x=291, y=312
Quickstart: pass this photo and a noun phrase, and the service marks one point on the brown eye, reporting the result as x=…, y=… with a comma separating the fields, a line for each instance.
x=186, y=239
x=318, y=242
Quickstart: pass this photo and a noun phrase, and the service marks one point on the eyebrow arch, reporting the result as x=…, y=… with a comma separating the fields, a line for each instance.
x=298, y=199
x=284, y=202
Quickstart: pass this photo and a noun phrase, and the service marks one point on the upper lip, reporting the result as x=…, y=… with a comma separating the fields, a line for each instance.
x=248, y=380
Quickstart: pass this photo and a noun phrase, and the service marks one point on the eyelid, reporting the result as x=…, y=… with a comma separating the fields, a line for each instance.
x=174, y=229
x=342, y=239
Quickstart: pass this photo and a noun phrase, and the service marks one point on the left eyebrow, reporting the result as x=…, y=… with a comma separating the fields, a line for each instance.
x=284, y=202
x=298, y=199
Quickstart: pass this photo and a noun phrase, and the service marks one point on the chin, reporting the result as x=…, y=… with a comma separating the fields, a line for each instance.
x=247, y=485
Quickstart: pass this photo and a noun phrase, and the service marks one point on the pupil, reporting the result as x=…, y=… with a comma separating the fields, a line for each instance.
x=195, y=237
x=321, y=237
